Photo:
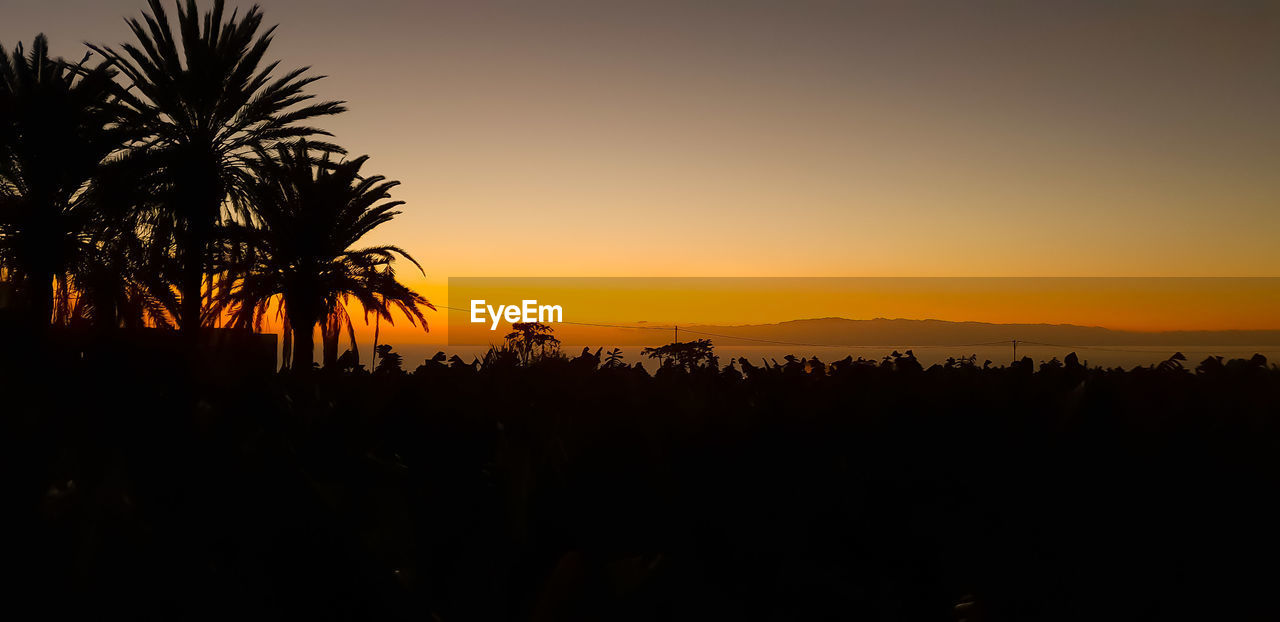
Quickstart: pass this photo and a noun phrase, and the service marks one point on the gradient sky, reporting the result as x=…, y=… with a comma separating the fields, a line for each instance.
x=795, y=138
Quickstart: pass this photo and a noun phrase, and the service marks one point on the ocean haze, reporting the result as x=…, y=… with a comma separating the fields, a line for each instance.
x=844, y=332
x=881, y=331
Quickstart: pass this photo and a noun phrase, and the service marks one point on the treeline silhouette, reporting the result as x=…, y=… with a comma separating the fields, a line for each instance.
x=176, y=182
x=537, y=486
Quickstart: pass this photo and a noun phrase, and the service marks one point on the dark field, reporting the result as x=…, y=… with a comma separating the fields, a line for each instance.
x=565, y=491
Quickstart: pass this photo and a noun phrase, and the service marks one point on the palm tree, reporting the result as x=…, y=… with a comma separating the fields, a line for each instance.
x=532, y=341
x=203, y=102
x=298, y=252
x=124, y=285
x=57, y=125
x=614, y=359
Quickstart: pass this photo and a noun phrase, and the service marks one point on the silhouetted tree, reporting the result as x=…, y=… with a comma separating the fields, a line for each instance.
x=687, y=354
x=300, y=249
x=202, y=102
x=388, y=362
x=57, y=125
x=1173, y=363
x=532, y=341
x=123, y=285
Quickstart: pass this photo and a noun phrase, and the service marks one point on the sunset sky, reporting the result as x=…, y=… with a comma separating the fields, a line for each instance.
x=794, y=138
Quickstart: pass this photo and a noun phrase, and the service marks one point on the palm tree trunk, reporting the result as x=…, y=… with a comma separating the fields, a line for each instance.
x=38, y=292
x=303, y=325
x=106, y=311
x=377, y=324
x=41, y=290
x=332, y=331
x=303, y=347
x=192, y=284
x=207, y=192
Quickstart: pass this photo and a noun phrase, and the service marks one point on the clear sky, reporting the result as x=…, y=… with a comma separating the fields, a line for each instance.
x=744, y=138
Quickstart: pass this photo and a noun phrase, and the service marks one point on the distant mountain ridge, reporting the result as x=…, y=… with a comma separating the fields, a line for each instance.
x=899, y=332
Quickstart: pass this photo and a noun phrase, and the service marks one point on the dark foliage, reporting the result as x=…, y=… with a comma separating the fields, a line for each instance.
x=57, y=125
x=202, y=100
x=177, y=181
x=688, y=355
x=569, y=490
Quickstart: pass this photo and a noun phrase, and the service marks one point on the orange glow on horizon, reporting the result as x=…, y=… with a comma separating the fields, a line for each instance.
x=1157, y=305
